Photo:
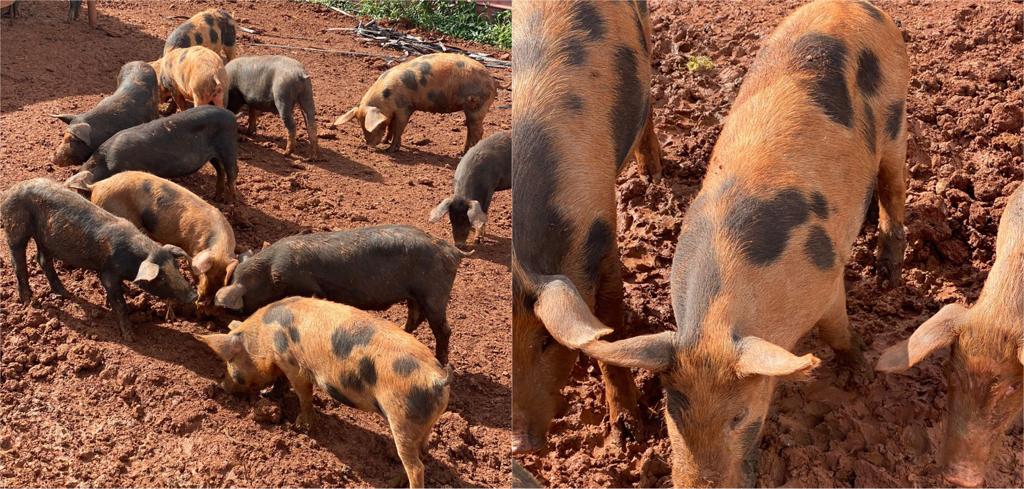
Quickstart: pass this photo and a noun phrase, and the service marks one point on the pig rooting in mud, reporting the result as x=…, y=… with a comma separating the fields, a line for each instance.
x=485, y=168
x=985, y=370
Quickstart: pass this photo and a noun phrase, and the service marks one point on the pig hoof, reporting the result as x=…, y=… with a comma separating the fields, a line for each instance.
x=24, y=297
x=391, y=149
x=304, y=422
x=399, y=481
x=127, y=335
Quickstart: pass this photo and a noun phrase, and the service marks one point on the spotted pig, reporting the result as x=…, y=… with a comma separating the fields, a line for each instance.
x=170, y=214
x=581, y=108
x=363, y=362
x=485, y=168
x=759, y=260
x=212, y=28
x=194, y=75
x=439, y=82
x=68, y=228
x=133, y=103
x=985, y=370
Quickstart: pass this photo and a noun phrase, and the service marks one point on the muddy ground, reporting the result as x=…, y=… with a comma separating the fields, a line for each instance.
x=964, y=158
x=79, y=406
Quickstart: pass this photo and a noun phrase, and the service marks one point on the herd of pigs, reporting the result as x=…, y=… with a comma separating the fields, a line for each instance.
x=305, y=294
x=816, y=134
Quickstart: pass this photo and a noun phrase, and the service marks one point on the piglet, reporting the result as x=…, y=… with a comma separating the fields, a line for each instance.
x=170, y=147
x=273, y=84
x=485, y=168
x=69, y=228
x=193, y=75
x=170, y=214
x=370, y=268
x=359, y=360
x=440, y=82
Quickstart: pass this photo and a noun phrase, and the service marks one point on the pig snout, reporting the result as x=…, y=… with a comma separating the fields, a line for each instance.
x=964, y=475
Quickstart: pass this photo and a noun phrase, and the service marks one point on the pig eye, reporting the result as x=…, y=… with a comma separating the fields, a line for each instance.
x=546, y=342
x=736, y=420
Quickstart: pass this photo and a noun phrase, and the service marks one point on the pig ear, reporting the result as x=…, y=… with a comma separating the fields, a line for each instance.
x=233, y=325
x=67, y=118
x=230, y=270
x=937, y=332
x=440, y=210
x=565, y=315
x=147, y=271
x=202, y=262
x=477, y=216
x=347, y=117
x=242, y=257
x=82, y=131
x=653, y=351
x=230, y=297
x=81, y=181
x=226, y=346
x=374, y=118
x=760, y=357
x=177, y=252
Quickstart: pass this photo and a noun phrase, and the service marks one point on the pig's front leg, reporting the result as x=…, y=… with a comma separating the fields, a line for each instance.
x=304, y=389
x=51, y=275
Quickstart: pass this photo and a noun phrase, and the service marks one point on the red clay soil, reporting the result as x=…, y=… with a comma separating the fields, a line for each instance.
x=79, y=406
x=964, y=159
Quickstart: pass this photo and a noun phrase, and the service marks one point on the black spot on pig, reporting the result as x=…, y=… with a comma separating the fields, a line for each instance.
x=213, y=36
x=574, y=103
x=823, y=57
x=460, y=64
x=868, y=128
x=344, y=340
x=597, y=247
x=408, y=78
x=586, y=19
x=208, y=19
x=149, y=219
x=869, y=198
x=529, y=48
x=386, y=93
x=629, y=110
x=575, y=52
x=869, y=75
x=424, y=72
x=293, y=333
x=280, y=341
x=147, y=188
x=819, y=205
x=278, y=314
x=762, y=227
x=421, y=402
x=894, y=119
x=871, y=10
x=227, y=28
x=819, y=248
x=180, y=37
x=696, y=277
x=181, y=57
x=352, y=381
x=435, y=97
x=199, y=38
x=534, y=184
x=368, y=371
x=405, y=365
x=336, y=394
x=168, y=196
x=676, y=403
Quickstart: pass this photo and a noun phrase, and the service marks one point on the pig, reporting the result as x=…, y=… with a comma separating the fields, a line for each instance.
x=439, y=82
x=575, y=64
x=359, y=360
x=9, y=9
x=170, y=147
x=816, y=132
x=134, y=102
x=193, y=75
x=985, y=370
x=68, y=228
x=277, y=84
x=370, y=268
x=212, y=28
x=170, y=214
x=485, y=168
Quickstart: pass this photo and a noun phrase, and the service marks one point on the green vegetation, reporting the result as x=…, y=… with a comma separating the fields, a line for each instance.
x=457, y=18
x=699, y=63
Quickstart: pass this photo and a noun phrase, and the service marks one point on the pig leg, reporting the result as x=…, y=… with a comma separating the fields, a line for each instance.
x=229, y=52
x=115, y=299
x=415, y=317
x=253, y=117
x=304, y=389
x=834, y=328
x=287, y=112
x=892, y=198
x=438, y=321
x=648, y=153
x=397, y=127
x=226, y=166
x=309, y=113
x=17, y=247
x=179, y=102
x=474, y=128
x=51, y=275
x=620, y=391
x=409, y=447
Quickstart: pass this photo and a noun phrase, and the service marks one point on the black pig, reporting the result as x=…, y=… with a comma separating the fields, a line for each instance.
x=170, y=147
x=370, y=268
x=71, y=229
x=486, y=168
x=134, y=102
x=273, y=84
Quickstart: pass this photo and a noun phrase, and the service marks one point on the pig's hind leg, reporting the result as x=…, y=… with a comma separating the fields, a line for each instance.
x=834, y=329
x=17, y=246
x=437, y=317
x=415, y=318
x=46, y=263
x=115, y=299
x=286, y=109
x=409, y=441
x=892, y=197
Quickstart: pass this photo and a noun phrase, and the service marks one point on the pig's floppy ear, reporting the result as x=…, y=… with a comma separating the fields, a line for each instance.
x=82, y=180
x=233, y=325
x=374, y=118
x=477, y=216
x=67, y=118
x=230, y=297
x=440, y=210
x=82, y=131
x=177, y=252
x=147, y=271
x=347, y=117
x=938, y=331
x=653, y=352
x=226, y=346
x=760, y=357
x=565, y=315
x=202, y=262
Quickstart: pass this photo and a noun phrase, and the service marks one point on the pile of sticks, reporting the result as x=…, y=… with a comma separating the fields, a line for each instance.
x=412, y=45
